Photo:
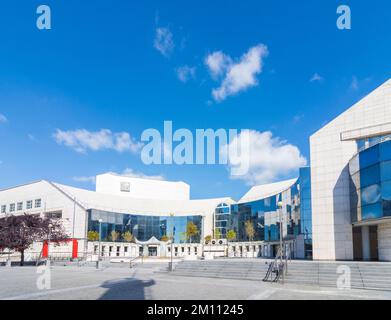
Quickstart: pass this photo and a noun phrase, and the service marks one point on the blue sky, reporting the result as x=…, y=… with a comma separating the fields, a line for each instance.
x=100, y=67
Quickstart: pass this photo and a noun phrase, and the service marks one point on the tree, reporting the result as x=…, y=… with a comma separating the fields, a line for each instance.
x=18, y=233
x=250, y=231
x=217, y=233
x=93, y=236
x=127, y=236
x=208, y=239
x=231, y=235
x=191, y=231
x=114, y=235
x=164, y=238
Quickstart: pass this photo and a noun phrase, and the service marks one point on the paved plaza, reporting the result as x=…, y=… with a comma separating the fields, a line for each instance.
x=88, y=283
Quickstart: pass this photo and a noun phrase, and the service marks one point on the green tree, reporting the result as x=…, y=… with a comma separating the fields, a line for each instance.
x=208, y=239
x=191, y=231
x=250, y=231
x=127, y=236
x=114, y=235
x=217, y=233
x=93, y=236
x=231, y=235
x=164, y=238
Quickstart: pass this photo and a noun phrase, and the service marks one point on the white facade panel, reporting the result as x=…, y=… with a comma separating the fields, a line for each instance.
x=332, y=230
x=119, y=185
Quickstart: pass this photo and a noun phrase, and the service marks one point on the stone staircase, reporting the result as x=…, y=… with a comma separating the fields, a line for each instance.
x=364, y=275
x=242, y=269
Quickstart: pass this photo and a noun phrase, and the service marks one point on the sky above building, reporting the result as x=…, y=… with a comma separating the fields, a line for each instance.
x=74, y=100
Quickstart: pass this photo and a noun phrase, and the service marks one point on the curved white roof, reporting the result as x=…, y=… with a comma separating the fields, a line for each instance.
x=266, y=190
x=120, y=204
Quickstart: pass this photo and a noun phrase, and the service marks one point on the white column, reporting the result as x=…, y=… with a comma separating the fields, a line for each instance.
x=366, y=245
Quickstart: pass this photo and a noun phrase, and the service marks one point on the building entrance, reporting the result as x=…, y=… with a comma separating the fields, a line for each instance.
x=365, y=243
x=152, y=251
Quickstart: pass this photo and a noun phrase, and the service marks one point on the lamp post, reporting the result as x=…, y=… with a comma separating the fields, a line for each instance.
x=49, y=235
x=172, y=240
x=99, y=248
x=279, y=204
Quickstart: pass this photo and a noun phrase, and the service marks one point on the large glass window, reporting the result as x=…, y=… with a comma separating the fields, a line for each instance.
x=370, y=175
x=385, y=170
x=369, y=157
x=372, y=211
x=370, y=194
x=222, y=216
x=385, y=151
x=144, y=227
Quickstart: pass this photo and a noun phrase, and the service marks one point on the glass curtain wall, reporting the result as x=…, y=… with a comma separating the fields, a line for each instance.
x=370, y=172
x=264, y=216
x=143, y=227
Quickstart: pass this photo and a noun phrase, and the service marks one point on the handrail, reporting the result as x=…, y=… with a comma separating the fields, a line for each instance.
x=276, y=267
x=131, y=265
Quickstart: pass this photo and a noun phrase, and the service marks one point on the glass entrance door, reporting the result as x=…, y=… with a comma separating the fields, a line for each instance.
x=152, y=251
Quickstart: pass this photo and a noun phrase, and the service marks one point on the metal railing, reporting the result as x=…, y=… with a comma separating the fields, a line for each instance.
x=277, y=268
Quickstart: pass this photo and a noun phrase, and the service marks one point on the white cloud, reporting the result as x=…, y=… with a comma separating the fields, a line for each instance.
x=89, y=179
x=82, y=140
x=269, y=158
x=354, y=83
x=298, y=117
x=163, y=41
x=217, y=63
x=237, y=76
x=185, y=73
x=316, y=77
x=131, y=173
x=3, y=118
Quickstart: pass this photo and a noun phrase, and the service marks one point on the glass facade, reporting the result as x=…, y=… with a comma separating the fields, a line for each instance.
x=370, y=172
x=265, y=217
x=306, y=209
x=363, y=144
x=222, y=215
x=143, y=227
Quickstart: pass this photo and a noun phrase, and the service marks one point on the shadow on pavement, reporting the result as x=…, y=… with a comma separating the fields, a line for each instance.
x=127, y=289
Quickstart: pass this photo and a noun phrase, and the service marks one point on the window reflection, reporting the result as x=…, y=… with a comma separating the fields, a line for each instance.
x=143, y=227
x=370, y=196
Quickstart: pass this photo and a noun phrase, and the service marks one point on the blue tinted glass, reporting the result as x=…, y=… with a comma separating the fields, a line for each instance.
x=385, y=170
x=360, y=144
x=386, y=190
x=369, y=157
x=372, y=211
x=386, y=208
x=385, y=151
x=370, y=176
x=370, y=194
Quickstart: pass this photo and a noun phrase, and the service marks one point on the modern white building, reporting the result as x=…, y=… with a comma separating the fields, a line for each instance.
x=111, y=212
x=350, y=212
x=339, y=208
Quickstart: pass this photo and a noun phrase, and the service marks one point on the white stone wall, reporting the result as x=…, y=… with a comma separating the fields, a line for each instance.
x=142, y=188
x=332, y=230
x=384, y=241
x=51, y=200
